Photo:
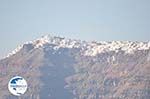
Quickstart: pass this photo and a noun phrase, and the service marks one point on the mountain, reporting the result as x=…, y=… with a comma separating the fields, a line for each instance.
x=61, y=68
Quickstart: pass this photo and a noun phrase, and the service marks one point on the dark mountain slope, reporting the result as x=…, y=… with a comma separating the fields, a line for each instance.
x=59, y=68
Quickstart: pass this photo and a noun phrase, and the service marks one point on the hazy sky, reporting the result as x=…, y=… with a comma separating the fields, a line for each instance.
x=24, y=20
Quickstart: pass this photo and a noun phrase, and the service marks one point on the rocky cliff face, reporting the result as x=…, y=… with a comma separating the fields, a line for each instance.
x=59, y=68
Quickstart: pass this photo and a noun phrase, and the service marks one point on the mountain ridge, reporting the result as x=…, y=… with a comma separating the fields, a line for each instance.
x=90, y=48
x=59, y=68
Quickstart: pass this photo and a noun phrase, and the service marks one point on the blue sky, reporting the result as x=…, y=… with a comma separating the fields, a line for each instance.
x=24, y=20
